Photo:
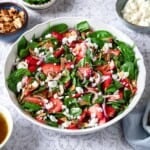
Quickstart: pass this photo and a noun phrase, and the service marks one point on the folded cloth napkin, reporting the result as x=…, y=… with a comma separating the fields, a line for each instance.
x=137, y=129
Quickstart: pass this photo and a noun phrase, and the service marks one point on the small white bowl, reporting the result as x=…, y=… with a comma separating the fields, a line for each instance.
x=41, y=6
x=9, y=121
x=71, y=22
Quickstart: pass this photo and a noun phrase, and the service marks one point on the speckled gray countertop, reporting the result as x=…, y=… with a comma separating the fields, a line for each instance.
x=27, y=136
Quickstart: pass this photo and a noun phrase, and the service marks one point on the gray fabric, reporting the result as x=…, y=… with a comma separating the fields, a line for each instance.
x=136, y=130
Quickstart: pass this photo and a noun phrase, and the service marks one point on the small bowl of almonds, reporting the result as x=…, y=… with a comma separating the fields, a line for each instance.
x=13, y=19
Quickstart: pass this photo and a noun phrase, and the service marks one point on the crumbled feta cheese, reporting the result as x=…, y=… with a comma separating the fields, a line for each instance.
x=65, y=124
x=79, y=90
x=53, y=118
x=105, y=78
x=39, y=69
x=115, y=76
x=91, y=79
x=93, y=122
x=45, y=100
x=55, y=95
x=137, y=12
x=17, y=59
x=39, y=112
x=52, y=84
x=64, y=40
x=106, y=47
x=49, y=105
x=36, y=50
x=22, y=64
x=72, y=66
x=51, y=50
x=48, y=36
x=19, y=86
x=123, y=75
x=90, y=44
x=35, y=84
x=42, y=83
x=72, y=38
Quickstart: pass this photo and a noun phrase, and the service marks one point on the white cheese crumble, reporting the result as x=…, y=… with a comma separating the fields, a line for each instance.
x=19, y=86
x=137, y=12
x=49, y=105
x=90, y=44
x=51, y=50
x=53, y=118
x=35, y=84
x=48, y=36
x=123, y=75
x=22, y=64
x=70, y=39
x=52, y=84
x=79, y=90
x=65, y=124
x=106, y=47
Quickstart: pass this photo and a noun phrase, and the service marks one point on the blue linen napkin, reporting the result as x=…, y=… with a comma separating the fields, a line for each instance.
x=136, y=129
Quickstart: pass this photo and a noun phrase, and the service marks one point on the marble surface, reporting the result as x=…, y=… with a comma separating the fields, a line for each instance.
x=27, y=136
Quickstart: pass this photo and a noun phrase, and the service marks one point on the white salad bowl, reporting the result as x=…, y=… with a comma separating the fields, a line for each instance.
x=71, y=22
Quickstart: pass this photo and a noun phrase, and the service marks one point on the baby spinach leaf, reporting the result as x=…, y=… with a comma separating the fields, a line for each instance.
x=61, y=28
x=127, y=51
x=83, y=26
x=127, y=94
x=23, y=53
x=22, y=44
x=75, y=111
x=15, y=77
x=31, y=107
x=51, y=123
x=69, y=102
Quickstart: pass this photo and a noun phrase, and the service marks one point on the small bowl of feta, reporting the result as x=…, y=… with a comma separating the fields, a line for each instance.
x=135, y=14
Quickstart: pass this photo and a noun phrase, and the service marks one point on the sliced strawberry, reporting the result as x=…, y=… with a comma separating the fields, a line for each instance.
x=47, y=68
x=73, y=126
x=115, y=52
x=32, y=68
x=102, y=121
x=58, y=52
x=40, y=119
x=84, y=117
x=57, y=35
x=57, y=105
x=69, y=65
x=78, y=58
x=107, y=83
x=126, y=83
x=34, y=100
x=110, y=111
x=85, y=71
x=121, y=94
x=67, y=84
x=96, y=109
x=105, y=69
x=31, y=60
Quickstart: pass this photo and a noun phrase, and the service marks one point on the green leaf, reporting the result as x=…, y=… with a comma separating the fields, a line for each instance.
x=32, y=45
x=99, y=100
x=23, y=53
x=51, y=123
x=100, y=34
x=40, y=89
x=31, y=107
x=114, y=87
x=47, y=31
x=98, y=41
x=61, y=28
x=15, y=77
x=127, y=51
x=69, y=102
x=127, y=94
x=75, y=111
x=59, y=115
x=129, y=67
x=50, y=59
x=83, y=26
x=22, y=44
x=87, y=98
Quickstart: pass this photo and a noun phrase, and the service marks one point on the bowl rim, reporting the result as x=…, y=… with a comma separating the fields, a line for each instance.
x=39, y=6
x=126, y=21
x=88, y=130
x=26, y=17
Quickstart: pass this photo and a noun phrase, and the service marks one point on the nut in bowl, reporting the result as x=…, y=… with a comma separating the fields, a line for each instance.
x=74, y=73
x=13, y=19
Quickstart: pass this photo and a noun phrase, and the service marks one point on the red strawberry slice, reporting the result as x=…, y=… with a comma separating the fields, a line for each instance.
x=96, y=109
x=57, y=105
x=107, y=83
x=57, y=35
x=58, y=52
x=105, y=69
x=40, y=119
x=110, y=111
x=32, y=68
x=31, y=60
x=102, y=121
x=47, y=68
x=85, y=71
x=69, y=65
x=72, y=126
x=34, y=100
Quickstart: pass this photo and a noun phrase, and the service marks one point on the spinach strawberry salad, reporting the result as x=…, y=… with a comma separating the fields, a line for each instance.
x=74, y=78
